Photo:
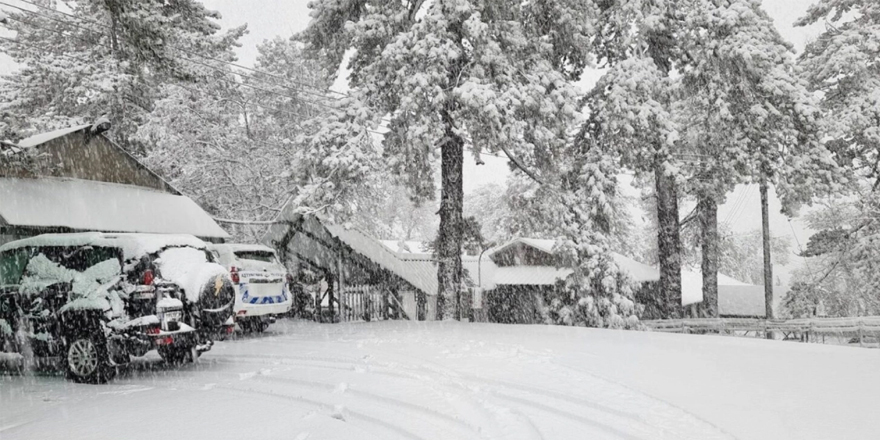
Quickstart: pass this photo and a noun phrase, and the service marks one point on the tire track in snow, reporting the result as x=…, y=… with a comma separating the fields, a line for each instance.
x=647, y=396
x=456, y=377
x=454, y=381
x=374, y=396
x=372, y=368
x=403, y=432
x=505, y=425
x=593, y=404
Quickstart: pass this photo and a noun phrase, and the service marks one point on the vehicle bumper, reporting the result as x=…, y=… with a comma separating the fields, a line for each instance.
x=186, y=336
x=261, y=310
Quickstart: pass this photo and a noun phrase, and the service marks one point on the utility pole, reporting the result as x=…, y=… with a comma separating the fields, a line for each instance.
x=768, y=267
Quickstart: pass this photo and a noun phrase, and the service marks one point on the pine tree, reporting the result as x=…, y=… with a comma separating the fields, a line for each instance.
x=631, y=115
x=842, y=66
x=735, y=111
x=104, y=57
x=455, y=75
x=228, y=141
x=746, y=117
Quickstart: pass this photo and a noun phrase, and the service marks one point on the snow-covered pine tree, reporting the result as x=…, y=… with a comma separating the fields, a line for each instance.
x=732, y=111
x=228, y=141
x=584, y=212
x=745, y=116
x=631, y=115
x=481, y=75
x=104, y=57
x=843, y=64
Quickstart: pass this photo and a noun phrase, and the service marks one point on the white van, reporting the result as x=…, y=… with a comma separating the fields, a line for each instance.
x=261, y=283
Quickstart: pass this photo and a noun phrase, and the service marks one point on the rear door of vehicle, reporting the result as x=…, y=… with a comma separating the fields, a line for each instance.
x=262, y=277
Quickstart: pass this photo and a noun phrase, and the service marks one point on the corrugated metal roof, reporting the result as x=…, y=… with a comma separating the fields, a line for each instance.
x=421, y=274
x=87, y=205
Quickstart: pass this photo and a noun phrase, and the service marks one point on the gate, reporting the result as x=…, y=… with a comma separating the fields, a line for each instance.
x=364, y=303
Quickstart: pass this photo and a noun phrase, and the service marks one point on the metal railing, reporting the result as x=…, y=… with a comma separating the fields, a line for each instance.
x=803, y=329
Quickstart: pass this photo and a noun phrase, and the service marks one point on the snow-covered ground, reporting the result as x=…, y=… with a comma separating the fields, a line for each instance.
x=442, y=380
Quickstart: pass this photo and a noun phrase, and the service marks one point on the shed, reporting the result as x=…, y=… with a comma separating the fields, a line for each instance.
x=359, y=270
x=79, y=180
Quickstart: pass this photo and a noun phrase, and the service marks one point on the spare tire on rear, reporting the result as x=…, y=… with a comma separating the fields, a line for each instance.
x=215, y=301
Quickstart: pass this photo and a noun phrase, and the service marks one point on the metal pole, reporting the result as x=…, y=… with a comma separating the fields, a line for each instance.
x=768, y=266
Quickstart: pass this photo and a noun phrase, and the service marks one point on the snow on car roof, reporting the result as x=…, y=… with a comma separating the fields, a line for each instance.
x=42, y=138
x=132, y=245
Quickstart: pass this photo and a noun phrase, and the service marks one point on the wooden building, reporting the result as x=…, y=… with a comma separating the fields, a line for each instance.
x=76, y=179
x=360, y=278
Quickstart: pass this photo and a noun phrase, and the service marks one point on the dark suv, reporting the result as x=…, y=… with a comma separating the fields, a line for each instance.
x=93, y=300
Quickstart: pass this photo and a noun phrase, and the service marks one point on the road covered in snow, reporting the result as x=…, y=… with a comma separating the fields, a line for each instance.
x=404, y=380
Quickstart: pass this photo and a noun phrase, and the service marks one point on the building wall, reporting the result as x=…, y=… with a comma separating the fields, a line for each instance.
x=81, y=155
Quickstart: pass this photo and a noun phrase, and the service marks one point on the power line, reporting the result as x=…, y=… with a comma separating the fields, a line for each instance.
x=176, y=84
x=188, y=52
x=243, y=84
x=742, y=208
x=740, y=200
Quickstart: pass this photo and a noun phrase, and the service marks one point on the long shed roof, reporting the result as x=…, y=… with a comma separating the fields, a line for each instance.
x=87, y=205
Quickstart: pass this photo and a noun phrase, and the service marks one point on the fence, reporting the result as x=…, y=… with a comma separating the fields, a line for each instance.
x=805, y=330
x=364, y=303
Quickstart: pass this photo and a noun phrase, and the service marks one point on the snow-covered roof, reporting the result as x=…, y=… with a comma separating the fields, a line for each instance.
x=42, y=138
x=692, y=286
x=132, y=245
x=241, y=247
x=640, y=272
x=741, y=300
x=99, y=206
x=404, y=246
x=540, y=244
x=415, y=272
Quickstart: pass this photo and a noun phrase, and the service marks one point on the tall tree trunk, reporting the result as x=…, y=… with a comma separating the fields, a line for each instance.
x=449, y=238
x=768, y=266
x=113, y=8
x=668, y=242
x=708, y=209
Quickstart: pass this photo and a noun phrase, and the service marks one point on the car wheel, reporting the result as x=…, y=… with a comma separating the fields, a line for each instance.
x=87, y=360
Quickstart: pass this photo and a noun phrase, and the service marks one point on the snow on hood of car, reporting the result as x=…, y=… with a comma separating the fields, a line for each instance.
x=91, y=288
x=132, y=245
x=188, y=268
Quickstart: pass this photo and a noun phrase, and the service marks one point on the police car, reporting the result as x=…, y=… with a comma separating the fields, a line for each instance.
x=260, y=281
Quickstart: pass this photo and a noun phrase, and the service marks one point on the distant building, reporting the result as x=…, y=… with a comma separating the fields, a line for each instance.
x=79, y=180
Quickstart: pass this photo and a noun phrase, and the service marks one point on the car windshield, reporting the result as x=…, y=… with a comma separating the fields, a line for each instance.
x=78, y=258
x=12, y=264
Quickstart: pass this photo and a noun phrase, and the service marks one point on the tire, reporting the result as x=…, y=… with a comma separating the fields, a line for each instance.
x=217, y=295
x=87, y=359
